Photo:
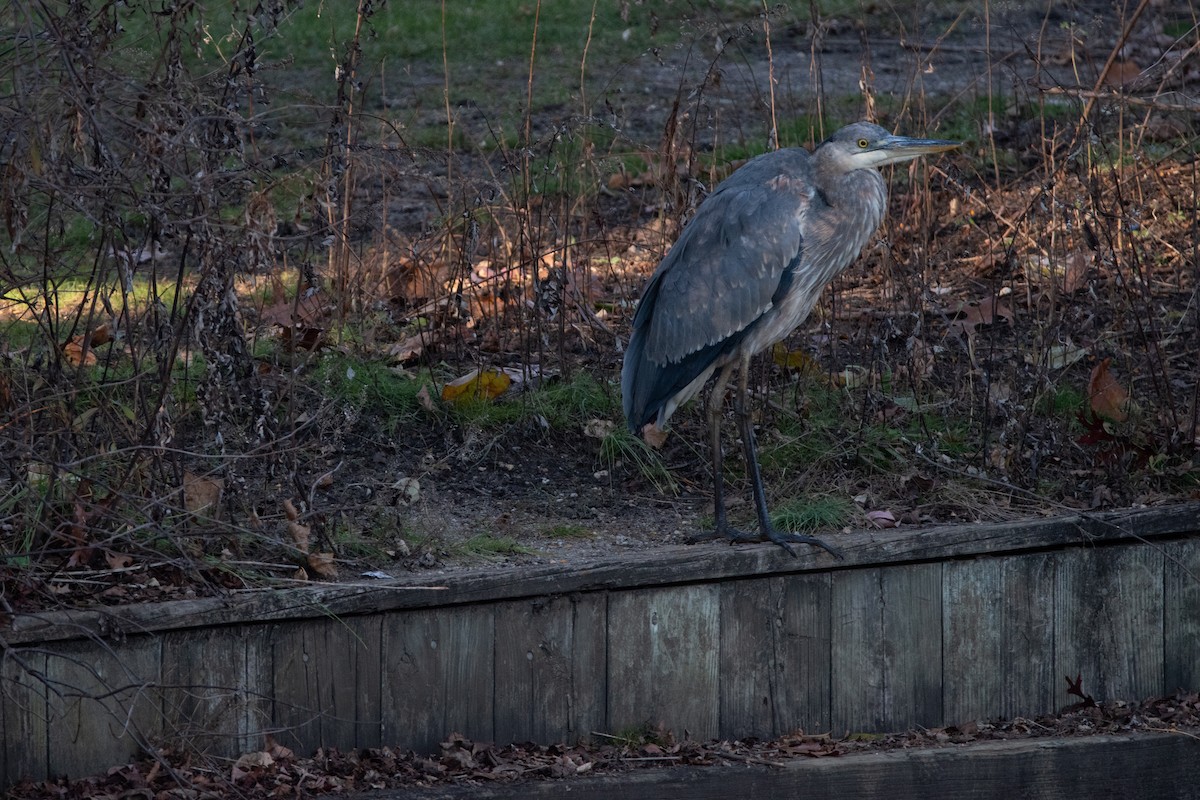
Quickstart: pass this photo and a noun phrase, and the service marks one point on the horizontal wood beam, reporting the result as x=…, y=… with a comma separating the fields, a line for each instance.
x=670, y=566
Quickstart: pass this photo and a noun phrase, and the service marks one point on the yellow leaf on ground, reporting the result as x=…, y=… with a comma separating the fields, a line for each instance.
x=798, y=360
x=1107, y=397
x=480, y=384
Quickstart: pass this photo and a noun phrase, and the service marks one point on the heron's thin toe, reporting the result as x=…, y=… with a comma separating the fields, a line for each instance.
x=786, y=540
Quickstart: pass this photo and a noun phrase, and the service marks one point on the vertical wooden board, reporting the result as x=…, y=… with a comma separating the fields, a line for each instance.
x=800, y=658
x=749, y=615
x=438, y=676
x=100, y=708
x=589, y=694
x=23, y=716
x=971, y=607
x=1181, y=614
x=663, y=653
x=1109, y=622
x=534, y=679
x=217, y=686
x=912, y=646
x=550, y=669
x=1029, y=684
x=857, y=657
x=774, y=662
x=327, y=685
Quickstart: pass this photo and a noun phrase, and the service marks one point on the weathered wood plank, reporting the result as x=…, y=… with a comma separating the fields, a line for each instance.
x=1156, y=765
x=590, y=637
x=749, y=672
x=663, y=659
x=857, y=657
x=1181, y=596
x=216, y=685
x=1109, y=622
x=327, y=684
x=545, y=690
x=775, y=655
x=438, y=676
x=23, y=716
x=1028, y=682
x=972, y=598
x=912, y=646
x=100, y=706
x=887, y=648
x=802, y=655
x=670, y=566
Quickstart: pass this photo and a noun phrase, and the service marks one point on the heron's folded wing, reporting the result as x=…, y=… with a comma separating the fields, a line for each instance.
x=727, y=267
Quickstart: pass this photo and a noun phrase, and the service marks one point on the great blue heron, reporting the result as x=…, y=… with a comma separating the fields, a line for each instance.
x=744, y=273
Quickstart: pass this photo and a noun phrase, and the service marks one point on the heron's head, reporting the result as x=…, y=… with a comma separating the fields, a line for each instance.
x=864, y=146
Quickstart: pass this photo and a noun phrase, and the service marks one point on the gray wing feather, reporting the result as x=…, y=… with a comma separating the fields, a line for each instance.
x=726, y=267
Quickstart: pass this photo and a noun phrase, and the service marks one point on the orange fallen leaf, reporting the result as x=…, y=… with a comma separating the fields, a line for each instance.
x=75, y=354
x=1108, y=398
x=481, y=384
x=322, y=564
x=655, y=436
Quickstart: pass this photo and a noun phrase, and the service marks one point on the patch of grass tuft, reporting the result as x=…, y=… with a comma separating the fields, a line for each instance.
x=810, y=514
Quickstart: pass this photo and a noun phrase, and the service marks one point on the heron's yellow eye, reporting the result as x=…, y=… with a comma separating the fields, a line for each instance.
x=863, y=143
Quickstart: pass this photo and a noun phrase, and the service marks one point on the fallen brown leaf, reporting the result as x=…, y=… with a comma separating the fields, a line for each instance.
x=1107, y=397
x=322, y=564
x=201, y=494
x=654, y=436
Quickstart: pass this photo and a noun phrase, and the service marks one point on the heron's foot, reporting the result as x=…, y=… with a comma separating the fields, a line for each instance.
x=782, y=538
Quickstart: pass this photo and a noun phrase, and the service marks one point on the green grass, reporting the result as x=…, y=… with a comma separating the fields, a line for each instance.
x=485, y=545
x=811, y=514
x=567, y=531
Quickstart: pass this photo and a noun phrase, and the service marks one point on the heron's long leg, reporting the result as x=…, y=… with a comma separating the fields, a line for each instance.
x=716, y=401
x=746, y=424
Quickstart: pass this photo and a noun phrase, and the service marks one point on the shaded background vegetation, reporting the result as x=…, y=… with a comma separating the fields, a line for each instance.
x=246, y=250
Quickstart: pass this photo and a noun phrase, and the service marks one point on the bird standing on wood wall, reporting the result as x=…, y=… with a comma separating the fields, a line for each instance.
x=744, y=273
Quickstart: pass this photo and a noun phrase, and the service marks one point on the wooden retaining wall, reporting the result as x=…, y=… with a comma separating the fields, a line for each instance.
x=915, y=627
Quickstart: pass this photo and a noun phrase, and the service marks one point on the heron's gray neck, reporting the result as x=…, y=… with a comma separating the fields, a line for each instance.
x=856, y=202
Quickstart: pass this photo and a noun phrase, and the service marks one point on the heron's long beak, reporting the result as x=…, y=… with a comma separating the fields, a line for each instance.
x=904, y=148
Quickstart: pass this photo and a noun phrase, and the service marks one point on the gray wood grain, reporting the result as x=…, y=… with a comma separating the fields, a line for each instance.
x=23, y=716
x=327, y=684
x=438, y=676
x=803, y=654
x=912, y=646
x=216, y=687
x=775, y=656
x=1029, y=683
x=857, y=688
x=972, y=600
x=101, y=709
x=750, y=672
x=1181, y=598
x=533, y=670
x=663, y=660
x=1109, y=622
